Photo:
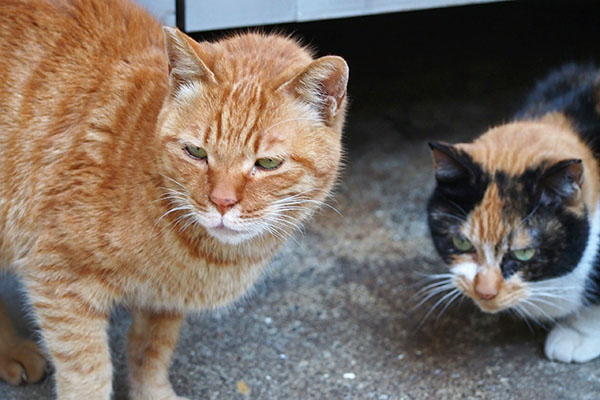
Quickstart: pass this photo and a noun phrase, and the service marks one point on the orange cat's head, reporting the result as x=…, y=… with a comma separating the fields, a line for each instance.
x=252, y=131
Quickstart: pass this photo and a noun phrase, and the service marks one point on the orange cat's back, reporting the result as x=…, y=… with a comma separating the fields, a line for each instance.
x=76, y=77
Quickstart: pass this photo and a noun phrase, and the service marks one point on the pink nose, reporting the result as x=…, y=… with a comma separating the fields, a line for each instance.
x=487, y=283
x=223, y=203
x=485, y=296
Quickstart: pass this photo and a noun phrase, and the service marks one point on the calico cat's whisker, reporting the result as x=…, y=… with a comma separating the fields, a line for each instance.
x=529, y=303
x=437, y=304
x=542, y=295
x=448, y=303
x=443, y=214
x=436, y=276
x=432, y=293
x=457, y=206
x=522, y=315
x=524, y=220
x=430, y=286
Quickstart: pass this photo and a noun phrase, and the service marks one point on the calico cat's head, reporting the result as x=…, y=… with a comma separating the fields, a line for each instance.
x=511, y=215
x=252, y=130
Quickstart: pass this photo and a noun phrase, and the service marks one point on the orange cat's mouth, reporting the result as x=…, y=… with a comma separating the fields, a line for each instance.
x=229, y=235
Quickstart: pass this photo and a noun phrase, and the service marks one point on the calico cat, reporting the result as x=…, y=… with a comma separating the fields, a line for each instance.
x=140, y=167
x=515, y=214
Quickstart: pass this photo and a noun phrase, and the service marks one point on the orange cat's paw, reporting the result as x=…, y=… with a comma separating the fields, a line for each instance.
x=22, y=363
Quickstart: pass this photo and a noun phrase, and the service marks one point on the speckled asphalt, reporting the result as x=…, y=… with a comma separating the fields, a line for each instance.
x=334, y=318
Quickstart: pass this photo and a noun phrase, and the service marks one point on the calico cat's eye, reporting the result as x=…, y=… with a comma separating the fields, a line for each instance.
x=268, y=163
x=461, y=243
x=524, y=254
x=196, y=152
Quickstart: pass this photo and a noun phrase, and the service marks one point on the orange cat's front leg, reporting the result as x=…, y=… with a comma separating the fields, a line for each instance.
x=76, y=336
x=152, y=339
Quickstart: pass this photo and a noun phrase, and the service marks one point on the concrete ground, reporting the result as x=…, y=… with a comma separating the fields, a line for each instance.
x=334, y=318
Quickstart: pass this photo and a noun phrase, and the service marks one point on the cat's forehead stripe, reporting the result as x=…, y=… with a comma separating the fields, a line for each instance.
x=487, y=221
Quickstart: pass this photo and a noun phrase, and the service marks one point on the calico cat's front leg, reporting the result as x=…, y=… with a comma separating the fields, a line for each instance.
x=75, y=334
x=151, y=342
x=577, y=339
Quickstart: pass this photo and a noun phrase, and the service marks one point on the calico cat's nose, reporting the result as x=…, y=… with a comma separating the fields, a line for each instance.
x=487, y=283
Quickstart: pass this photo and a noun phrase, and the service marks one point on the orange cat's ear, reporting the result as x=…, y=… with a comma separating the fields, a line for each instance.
x=562, y=182
x=446, y=163
x=322, y=85
x=185, y=65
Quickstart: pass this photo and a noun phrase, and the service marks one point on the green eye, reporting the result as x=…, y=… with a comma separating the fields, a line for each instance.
x=196, y=152
x=524, y=254
x=268, y=163
x=461, y=243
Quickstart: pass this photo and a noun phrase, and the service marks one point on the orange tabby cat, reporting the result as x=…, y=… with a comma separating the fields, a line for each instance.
x=163, y=180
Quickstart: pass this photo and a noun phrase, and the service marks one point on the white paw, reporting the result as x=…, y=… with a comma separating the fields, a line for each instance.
x=569, y=345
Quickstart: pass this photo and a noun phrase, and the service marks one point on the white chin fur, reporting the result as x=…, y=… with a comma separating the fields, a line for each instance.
x=226, y=229
x=228, y=236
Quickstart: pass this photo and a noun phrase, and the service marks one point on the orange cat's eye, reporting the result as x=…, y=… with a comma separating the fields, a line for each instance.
x=268, y=163
x=196, y=152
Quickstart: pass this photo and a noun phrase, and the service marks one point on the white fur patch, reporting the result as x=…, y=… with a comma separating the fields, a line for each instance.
x=567, y=344
x=466, y=269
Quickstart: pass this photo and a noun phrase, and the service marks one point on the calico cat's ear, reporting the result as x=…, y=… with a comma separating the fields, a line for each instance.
x=322, y=85
x=562, y=182
x=185, y=63
x=447, y=164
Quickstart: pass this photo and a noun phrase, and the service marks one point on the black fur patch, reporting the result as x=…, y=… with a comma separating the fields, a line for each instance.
x=453, y=200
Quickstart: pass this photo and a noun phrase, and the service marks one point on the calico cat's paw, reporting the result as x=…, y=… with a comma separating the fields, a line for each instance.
x=569, y=345
x=22, y=363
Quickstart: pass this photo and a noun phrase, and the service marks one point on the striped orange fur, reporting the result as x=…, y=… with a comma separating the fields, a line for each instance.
x=101, y=201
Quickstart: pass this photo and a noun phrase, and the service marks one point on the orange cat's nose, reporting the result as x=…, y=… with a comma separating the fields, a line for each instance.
x=223, y=203
x=224, y=197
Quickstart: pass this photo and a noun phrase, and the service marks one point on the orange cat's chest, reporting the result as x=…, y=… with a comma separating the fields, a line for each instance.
x=198, y=286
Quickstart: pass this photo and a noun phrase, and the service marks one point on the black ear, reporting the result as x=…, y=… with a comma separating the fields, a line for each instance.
x=561, y=183
x=447, y=163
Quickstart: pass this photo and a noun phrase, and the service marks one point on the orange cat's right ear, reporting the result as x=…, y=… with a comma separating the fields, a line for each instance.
x=185, y=65
x=322, y=85
x=446, y=164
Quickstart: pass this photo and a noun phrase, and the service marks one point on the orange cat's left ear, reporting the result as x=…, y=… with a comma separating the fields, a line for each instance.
x=185, y=64
x=322, y=85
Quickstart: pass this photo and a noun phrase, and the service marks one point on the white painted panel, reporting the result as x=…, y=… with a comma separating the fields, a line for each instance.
x=202, y=15
x=164, y=10
x=323, y=9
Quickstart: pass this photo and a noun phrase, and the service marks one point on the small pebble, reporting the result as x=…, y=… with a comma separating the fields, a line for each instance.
x=400, y=356
x=282, y=356
x=268, y=321
x=242, y=388
x=349, y=375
